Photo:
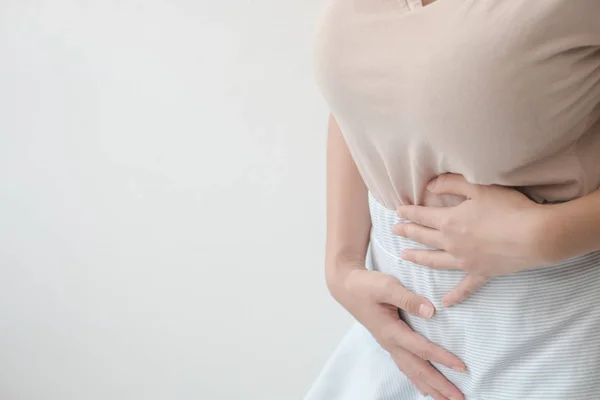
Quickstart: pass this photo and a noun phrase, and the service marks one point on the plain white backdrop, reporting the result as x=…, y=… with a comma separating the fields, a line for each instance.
x=162, y=201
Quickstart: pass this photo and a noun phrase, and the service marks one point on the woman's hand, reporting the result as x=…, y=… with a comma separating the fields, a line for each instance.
x=373, y=298
x=496, y=231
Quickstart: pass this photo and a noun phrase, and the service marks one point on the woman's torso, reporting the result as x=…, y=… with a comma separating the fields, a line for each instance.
x=501, y=91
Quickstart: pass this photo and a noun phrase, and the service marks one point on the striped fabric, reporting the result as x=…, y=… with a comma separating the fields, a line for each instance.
x=534, y=335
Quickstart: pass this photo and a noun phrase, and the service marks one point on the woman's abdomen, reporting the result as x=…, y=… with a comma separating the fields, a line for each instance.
x=530, y=335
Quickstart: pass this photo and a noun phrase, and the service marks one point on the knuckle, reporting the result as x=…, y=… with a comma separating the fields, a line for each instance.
x=411, y=231
x=408, y=255
x=451, y=298
x=434, y=183
x=424, y=354
x=405, y=303
x=449, y=224
x=418, y=258
x=406, y=229
x=446, y=224
x=440, y=181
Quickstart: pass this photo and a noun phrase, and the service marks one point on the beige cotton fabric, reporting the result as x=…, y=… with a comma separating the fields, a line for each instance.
x=501, y=91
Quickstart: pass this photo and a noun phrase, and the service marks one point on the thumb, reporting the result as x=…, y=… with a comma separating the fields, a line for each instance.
x=452, y=184
x=397, y=295
x=469, y=285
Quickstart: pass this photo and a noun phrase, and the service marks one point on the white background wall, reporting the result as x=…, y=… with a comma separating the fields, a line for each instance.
x=162, y=201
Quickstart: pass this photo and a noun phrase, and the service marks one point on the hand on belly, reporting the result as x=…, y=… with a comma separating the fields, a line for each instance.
x=494, y=232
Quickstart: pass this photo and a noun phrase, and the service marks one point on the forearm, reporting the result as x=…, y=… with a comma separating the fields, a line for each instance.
x=348, y=218
x=573, y=228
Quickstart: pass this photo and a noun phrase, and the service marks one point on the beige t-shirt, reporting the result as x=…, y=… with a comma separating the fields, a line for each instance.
x=501, y=91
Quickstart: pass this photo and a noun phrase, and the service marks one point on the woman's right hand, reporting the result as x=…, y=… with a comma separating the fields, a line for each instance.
x=373, y=298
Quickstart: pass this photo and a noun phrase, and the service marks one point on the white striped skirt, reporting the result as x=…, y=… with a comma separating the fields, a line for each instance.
x=533, y=335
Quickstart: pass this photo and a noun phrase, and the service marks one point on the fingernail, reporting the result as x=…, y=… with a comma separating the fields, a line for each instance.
x=425, y=311
x=459, y=368
x=396, y=230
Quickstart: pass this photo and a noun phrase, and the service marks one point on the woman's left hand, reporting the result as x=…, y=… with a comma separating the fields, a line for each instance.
x=496, y=231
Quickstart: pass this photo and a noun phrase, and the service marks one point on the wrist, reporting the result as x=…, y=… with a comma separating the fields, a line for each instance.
x=548, y=234
x=337, y=271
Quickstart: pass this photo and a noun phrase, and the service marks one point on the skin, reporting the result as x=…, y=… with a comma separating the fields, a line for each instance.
x=373, y=298
x=497, y=231
x=496, y=227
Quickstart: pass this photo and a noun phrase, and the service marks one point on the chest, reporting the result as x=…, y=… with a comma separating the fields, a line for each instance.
x=512, y=76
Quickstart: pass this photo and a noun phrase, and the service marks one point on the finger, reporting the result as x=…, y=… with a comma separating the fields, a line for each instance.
x=407, y=339
x=419, y=370
x=419, y=373
x=427, y=390
x=422, y=387
x=469, y=285
x=420, y=234
x=453, y=184
x=393, y=293
x=433, y=393
x=436, y=259
x=440, y=384
x=431, y=217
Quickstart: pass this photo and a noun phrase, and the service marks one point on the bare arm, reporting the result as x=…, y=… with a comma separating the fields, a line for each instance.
x=373, y=298
x=348, y=217
x=572, y=228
